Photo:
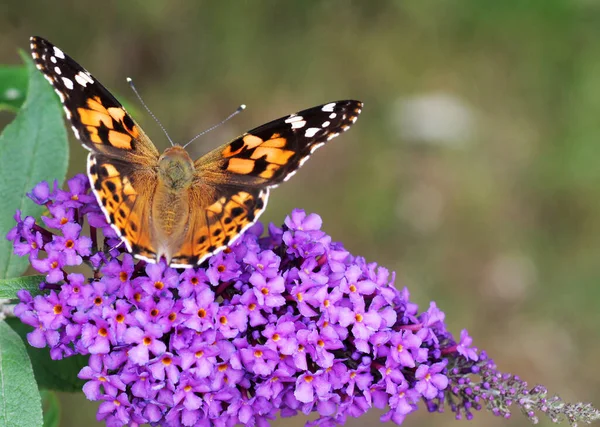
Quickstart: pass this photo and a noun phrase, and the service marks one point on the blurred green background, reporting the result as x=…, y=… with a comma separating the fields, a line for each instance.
x=473, y=172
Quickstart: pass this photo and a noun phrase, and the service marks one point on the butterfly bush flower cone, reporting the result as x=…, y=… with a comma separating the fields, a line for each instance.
x=275, y=325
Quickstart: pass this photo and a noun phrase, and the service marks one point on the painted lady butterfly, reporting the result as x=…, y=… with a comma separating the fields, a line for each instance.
x=167, y=205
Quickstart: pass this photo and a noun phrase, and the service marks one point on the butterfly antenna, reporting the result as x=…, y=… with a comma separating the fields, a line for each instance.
x=235, y=113
x=148, y=110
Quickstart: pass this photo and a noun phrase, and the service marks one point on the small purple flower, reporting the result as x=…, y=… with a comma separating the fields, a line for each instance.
x=464, y=347
x=72, y=245
x=145, y=341
x=52, y=266
x=430, y=380
x=100, y=382
x=268, y=292
x=309, y=385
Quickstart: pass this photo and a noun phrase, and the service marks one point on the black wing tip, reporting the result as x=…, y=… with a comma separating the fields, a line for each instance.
x=37, y=40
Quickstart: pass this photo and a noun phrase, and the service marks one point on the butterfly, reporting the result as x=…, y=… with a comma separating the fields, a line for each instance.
x=168, y=205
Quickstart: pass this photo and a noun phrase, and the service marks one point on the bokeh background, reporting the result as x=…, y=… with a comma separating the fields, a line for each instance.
x=473, y=172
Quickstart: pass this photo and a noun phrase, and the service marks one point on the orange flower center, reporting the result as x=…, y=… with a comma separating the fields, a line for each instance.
x=159, y=285
x=120, y=318
x=172, y=317
x=63, y=220
x=202, y=313
x=102, y=332
x=166, y=360
x=147, y=341
x=123, y=276
x=223, y=320
x=154, y=312
x=221, y=268
x=58, y=309
x=98, y=300
x=69, y=244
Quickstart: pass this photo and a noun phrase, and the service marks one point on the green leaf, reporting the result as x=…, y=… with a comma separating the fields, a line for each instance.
x=9, y=287
x=51, y=408
x=58, y=375
x=13, y=86
x=33, y=148
x=20, y=402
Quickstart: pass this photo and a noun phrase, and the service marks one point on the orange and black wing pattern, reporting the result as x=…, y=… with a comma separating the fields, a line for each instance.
x=98, y=120
x=273, y=152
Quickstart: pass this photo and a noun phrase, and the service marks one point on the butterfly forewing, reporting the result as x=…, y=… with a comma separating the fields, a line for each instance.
x=273, y=152
x=230, y=185
x=98, y=120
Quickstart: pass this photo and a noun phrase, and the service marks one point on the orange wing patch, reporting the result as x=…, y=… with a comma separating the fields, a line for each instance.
x=109, y=125
x=251, y=154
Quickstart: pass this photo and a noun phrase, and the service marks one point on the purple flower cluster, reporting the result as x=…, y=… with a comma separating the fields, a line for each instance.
x=273, y=325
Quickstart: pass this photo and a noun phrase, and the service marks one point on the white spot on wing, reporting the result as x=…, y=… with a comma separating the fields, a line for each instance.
x=67, y=113
x=294, y=118
x=86, y=77
x=332, y=116
x=289, y=175
x=310, y=132
x=325, y=124
x=59, y=53
x=303, y=160
x=316, y=147
x=57, y=71
x=328, y=107
x=60, y=95
x=83, y=82
x=332, y=135
x=53, y=59
x=68, y=83
x=75, y=131
x=299, y=124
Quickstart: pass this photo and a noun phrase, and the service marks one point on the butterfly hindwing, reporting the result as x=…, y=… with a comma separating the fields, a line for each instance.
x=227, y=212
x=98, y=120
x=124, y=193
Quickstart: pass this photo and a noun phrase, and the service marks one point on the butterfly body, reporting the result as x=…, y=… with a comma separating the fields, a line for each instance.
x=167, y=205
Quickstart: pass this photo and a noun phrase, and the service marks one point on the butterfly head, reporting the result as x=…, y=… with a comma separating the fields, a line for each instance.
x=176, y=168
